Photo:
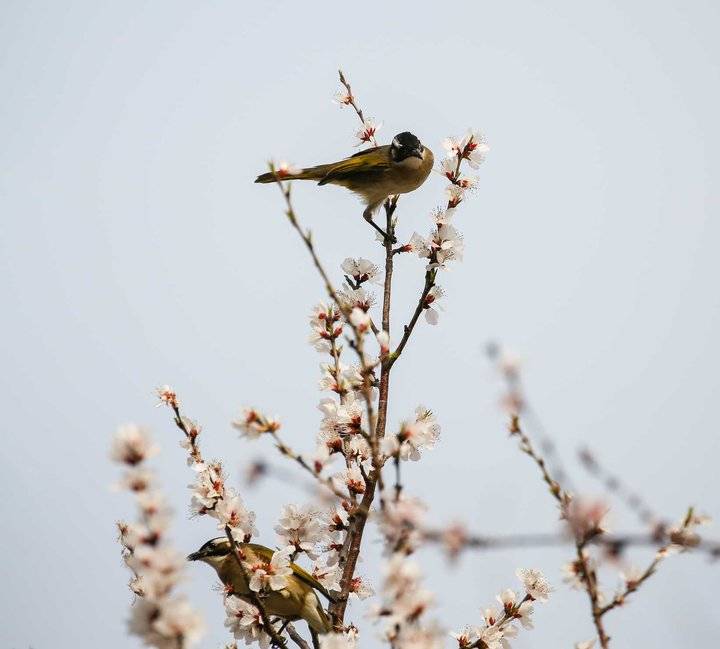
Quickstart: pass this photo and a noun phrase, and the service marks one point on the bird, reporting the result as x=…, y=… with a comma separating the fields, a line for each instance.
x=298, y=600
x=374, y=174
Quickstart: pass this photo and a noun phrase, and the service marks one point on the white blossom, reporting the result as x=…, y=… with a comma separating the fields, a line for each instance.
x=431, y=299
x=356, y=298
x=368, y=131
x=360, y=589
x=231, y=512
x=328, y=575
x=244, y=621
x=361, y=270
x=360, y=320
x=271, y=575
x=587, y=644
x=252, y=423
x=209, y=487
x=535, y=584
x=414, y=436
x=471, y=147
x=351, y=479
x=337, y=641
x=383, y=338
x=300, y=528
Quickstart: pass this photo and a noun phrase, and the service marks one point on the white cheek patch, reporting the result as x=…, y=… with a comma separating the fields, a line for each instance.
x=410, y=163
x=396, y=144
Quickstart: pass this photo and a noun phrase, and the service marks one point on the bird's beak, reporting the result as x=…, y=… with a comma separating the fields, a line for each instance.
x=194, y=556
x=417, y=153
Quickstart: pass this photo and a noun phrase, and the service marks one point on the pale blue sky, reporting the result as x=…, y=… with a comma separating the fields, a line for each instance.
x=135, y=250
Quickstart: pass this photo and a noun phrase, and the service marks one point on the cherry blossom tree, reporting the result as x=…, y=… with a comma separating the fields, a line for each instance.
x=356, y=463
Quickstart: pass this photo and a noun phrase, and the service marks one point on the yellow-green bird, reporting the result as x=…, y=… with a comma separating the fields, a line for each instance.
x=374, y=174
x=298, y=600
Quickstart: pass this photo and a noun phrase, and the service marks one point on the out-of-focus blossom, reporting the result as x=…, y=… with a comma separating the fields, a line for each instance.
x=284, y=169
x=454, y=539
x=167, y=396
x=252, y=423
x=177, y=619
x=573, y=570
x=132, y=445
x=351, y=479
x=585, y=517
x=401, y=521
x=160, y=618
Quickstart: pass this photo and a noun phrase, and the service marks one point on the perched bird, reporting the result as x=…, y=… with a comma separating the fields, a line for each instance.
x=374, y=174
x=298, y=600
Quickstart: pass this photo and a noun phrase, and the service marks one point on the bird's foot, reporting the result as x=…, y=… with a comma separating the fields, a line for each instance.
x=385, y=235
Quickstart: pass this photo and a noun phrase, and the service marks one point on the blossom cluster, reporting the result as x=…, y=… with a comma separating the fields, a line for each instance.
x=445, y=243
x=159, y=617
x=503, y=621
x=210, y=496
x=404, y=604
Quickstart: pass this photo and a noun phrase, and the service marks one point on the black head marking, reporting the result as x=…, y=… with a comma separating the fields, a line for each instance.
x=405, y=145
x=213, y=548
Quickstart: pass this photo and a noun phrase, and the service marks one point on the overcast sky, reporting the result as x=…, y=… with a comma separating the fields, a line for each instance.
x=135, y=250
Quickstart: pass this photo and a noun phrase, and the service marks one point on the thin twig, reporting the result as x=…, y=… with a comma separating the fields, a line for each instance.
x=588, y=574
x=358, y=342
x=298, y=459
x=351, y=102
x=429, y=283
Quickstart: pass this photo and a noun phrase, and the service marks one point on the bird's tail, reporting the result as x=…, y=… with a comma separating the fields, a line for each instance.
x=311, y=173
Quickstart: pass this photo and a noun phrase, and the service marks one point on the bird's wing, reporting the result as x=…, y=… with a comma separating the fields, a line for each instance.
x=371, y=160
x=304, y=575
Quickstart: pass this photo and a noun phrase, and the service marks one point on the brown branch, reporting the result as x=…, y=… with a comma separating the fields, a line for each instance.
x=296, y=637
x=357, y=527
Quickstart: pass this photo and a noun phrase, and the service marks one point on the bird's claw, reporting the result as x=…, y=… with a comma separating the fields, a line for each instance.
x=384, y=234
